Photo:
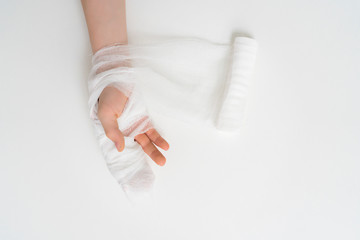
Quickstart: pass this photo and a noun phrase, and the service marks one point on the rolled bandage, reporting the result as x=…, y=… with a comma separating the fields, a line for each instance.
x=234, y=101
x=194, y=80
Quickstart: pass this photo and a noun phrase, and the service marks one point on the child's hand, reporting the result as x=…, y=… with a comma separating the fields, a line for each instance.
x=111, y=105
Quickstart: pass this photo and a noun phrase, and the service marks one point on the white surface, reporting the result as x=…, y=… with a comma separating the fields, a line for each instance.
x=293, y=174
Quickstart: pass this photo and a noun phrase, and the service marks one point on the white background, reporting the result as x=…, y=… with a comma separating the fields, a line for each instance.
x=292, y=174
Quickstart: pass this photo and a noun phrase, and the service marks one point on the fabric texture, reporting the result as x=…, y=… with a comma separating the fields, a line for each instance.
x=189, y=79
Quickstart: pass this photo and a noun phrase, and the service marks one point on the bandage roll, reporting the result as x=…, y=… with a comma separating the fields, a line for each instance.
x=233, y=103
x=202, y=83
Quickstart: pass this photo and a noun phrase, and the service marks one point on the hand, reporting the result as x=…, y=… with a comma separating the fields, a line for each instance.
x=111, y=105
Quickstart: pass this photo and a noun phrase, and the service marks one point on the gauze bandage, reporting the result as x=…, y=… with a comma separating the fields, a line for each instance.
x=129, y=167
x=189, y=79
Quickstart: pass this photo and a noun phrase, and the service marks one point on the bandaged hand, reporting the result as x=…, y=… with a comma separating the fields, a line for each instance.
x=123, y=126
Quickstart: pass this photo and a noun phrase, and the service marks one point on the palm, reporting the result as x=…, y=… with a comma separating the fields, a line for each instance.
x=111, y=105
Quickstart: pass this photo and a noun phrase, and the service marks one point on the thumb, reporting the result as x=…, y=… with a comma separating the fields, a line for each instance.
x=111, y=128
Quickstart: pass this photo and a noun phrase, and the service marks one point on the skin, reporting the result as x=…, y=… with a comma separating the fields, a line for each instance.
x=106, y=22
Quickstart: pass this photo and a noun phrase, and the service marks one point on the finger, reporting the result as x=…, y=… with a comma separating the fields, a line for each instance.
x=157, y=139
x=111, y=128
x=150, y=149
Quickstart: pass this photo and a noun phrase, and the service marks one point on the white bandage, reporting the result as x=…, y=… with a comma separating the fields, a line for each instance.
x=194, y=80
x=233, y=103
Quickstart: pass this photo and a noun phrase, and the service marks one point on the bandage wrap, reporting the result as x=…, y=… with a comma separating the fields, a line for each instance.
x=111, y=67
x=189, y=79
